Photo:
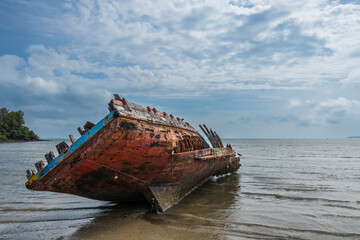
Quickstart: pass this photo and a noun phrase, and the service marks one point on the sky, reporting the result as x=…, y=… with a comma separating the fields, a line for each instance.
x=246, y=68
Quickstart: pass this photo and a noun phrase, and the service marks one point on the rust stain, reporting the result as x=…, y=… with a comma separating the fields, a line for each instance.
x=128, y=157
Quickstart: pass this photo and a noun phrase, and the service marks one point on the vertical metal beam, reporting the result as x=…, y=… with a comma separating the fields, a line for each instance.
x=219, y=139
x=72, y=139
x=208, y=135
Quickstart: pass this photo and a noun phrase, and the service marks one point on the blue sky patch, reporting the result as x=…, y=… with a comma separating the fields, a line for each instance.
x=249, y=69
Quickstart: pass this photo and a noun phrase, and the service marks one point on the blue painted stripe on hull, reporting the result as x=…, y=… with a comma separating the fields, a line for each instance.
x=79, y=142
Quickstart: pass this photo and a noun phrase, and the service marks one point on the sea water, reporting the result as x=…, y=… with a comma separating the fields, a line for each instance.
x=285, y=189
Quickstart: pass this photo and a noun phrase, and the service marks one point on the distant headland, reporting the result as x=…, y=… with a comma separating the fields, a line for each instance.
x=354, y=137
x=12, y=127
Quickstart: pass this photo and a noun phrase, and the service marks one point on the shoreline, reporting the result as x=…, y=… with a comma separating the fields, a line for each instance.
x=19, y=141
x=136, y=224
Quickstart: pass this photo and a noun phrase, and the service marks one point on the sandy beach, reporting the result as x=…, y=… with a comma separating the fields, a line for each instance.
x=137, y=224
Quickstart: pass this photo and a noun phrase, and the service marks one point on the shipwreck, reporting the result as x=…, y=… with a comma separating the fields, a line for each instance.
x=134, y=154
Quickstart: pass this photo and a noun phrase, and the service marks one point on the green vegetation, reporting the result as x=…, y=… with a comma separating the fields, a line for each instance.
x=11, y=126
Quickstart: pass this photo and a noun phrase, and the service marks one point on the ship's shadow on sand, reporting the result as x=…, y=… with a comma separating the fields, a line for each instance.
x=190, y=218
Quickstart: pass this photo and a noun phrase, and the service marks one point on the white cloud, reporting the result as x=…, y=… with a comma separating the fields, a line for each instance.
x=40, y=84
x=161, y=37
x=324, y=112
x=10, y=67
x=294, y=103
x=353, y=76
x=170, y=44
x=186, y=49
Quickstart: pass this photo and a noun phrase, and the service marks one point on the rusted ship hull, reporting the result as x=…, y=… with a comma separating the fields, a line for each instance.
x=125, y=158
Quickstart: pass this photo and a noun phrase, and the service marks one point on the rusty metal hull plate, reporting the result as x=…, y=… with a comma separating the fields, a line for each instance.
x=133, y=160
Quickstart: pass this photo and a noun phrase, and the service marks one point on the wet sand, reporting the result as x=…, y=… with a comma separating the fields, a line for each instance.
x=137, y=223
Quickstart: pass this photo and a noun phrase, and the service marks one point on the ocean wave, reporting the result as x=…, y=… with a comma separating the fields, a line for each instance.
x=279, y=196
x=230, y=226
x=340, y=216
x=44, y=220
x=342, y=206
x=53, y=209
